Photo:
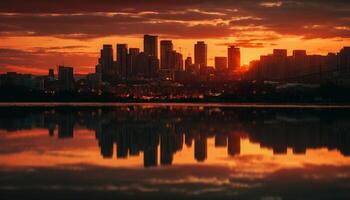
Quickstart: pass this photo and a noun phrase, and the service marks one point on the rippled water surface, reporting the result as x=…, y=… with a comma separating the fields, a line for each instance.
x=174, y=151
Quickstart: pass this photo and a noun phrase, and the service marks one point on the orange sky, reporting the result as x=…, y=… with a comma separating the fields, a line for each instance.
x=36, y=35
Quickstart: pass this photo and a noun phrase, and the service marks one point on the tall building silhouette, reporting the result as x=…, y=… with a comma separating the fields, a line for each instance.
x=51, y=74
x=65, y=78
x=150, y=45
x=188, y=63
x=131, y=60
x=344, y=59
x=200, y=54
x=220, y=63
x=122, y=52
x=233, y=58
x=106, y=62
x=166, y=48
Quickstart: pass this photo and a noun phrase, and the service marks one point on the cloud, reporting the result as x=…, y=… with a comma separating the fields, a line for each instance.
x=271, y=4
x=80, y=19
x=39, y=59
x=251, y=41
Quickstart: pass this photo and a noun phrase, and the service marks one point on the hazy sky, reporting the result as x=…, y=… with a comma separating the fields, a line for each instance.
x=36, y=35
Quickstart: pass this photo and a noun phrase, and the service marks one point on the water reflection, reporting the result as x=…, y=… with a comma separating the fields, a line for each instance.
x=177, y=152
x=147, y=130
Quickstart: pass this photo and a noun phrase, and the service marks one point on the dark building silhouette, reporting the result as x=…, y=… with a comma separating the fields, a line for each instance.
x=166, y=49
x=220, y=63
x=132, y=60
x=65, y=78
x=51, y=74
x=200, y=54
x=106, y=62
x=122, y=67
x=150, y=45
x=233, y=58
x=344, y=59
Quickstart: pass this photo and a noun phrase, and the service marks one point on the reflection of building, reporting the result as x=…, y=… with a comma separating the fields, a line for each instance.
x=151, y=150
x=234, y=144
x=200, y=149
x=66, y=127
x=220, y=140
x=136, y=131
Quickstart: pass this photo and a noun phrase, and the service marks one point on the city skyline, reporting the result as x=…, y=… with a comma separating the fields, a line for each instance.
x=36, y=36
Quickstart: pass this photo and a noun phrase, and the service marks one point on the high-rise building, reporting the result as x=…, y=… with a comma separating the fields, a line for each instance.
x=98, y=72
x=146, y=66
x=200, y=54
x=299, y=53
x=106, y=61
x=131, y=60
x=280, y=53
x=122, y=52
x=65, y=78
x=51, y=74
x=166, y=48
x=344, y=58
x=176, y=61
x=150, y=45
x=220, y=63
x=188, y=63
x=233, y=58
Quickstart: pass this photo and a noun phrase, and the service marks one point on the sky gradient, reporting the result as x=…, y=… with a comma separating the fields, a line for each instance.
x=37, y=35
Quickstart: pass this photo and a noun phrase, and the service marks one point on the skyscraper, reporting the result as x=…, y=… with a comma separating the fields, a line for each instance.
x=233, y=58
x=344, y=59
x=220, y=63
x=131, y=60
x=122, y=52
x=166, y=48
x=106, y=61
x=150, y=45
x=51, y=74
x=200, y=54
x=188, y=63
x=176, y=61
x=280, y=53
x=65, y=78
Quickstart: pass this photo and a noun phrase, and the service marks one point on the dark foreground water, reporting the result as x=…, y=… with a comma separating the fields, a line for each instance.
x=165, y=151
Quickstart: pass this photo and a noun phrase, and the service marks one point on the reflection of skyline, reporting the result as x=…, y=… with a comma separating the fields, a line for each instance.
x=134, y=130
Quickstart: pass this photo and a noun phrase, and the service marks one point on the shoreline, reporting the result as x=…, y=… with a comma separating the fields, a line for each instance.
x=175, y=104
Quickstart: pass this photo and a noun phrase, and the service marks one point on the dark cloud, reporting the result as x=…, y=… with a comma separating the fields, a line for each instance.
x=252, y=42
x=82, y=19
x=39, y=59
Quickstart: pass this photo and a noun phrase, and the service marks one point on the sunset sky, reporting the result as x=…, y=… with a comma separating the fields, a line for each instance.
x=36, y=35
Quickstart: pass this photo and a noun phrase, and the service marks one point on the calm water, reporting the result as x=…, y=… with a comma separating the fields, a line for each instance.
x=168, y=151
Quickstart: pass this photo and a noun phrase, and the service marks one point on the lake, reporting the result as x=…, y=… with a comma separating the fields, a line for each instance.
x=174, y=151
